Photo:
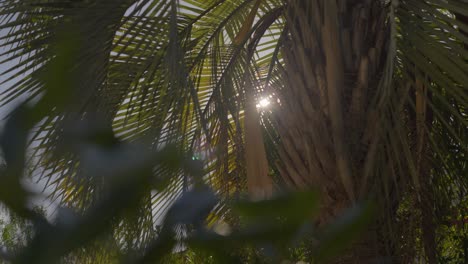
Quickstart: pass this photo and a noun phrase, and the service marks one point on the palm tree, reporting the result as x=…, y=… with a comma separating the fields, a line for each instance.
x=366, y=99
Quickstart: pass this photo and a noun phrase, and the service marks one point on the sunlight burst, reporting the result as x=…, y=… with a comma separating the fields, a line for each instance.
x=264, y=102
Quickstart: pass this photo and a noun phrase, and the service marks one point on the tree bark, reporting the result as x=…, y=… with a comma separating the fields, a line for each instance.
x=327, y=121
x=259, y=183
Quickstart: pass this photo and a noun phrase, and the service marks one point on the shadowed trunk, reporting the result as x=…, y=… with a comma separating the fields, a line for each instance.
x=327, y=123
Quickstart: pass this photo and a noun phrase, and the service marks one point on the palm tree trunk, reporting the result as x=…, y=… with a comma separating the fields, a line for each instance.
x=259, y=183
x=333, y=63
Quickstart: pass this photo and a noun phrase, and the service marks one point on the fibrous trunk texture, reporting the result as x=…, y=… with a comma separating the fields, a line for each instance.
x=259, y=183
x=333, y=64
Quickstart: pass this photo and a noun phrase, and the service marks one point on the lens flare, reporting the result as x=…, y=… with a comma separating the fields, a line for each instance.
x=264, y=102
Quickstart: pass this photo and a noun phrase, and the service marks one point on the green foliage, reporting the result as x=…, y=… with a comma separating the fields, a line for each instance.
x=121, y=175
x=270, y=225
x=453, y=234
x=121, y=94
x=15, y=232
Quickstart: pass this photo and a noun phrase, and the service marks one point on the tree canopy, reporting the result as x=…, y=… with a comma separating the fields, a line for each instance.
x=238, y=96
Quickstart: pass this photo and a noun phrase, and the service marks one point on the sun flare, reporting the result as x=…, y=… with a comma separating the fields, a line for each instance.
x=264, y=102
